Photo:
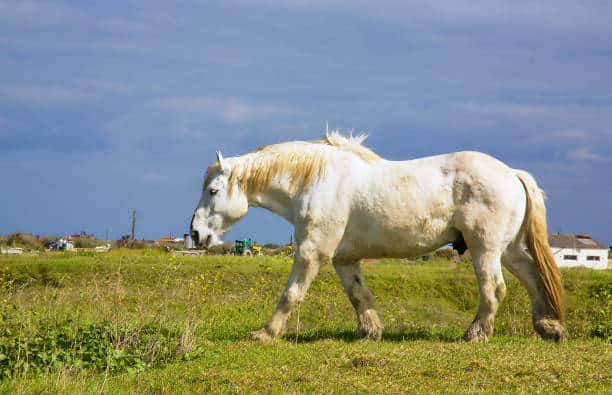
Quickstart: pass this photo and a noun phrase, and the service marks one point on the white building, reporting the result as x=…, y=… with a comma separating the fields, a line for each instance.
x=11, y=250
x=578, y=250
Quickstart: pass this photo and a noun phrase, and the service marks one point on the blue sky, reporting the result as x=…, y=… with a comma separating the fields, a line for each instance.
x=111, y=106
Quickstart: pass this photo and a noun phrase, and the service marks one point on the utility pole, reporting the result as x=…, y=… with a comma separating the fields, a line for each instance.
x=133, y=224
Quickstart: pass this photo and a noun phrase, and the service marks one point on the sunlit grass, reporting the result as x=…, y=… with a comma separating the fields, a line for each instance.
x=207, y=306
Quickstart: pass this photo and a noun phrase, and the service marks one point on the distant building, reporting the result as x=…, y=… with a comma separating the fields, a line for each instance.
x=572, y=250
x=189, y=244
x=11, y=250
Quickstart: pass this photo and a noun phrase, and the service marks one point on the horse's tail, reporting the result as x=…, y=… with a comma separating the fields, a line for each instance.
x=536, y=237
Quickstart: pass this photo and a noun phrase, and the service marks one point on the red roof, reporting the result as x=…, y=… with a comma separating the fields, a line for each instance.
x=172, y=239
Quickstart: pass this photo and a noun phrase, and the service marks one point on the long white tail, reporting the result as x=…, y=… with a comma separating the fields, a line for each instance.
x=536, y=237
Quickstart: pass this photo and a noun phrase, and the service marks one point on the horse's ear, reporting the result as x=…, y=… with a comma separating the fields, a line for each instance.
x=222, y=162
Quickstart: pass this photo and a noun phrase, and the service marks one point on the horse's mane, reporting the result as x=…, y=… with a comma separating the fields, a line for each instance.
x=302, y=162
x=352, y=144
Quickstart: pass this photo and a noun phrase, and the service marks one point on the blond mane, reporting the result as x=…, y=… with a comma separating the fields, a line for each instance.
x=352, y=144
x=302, y=162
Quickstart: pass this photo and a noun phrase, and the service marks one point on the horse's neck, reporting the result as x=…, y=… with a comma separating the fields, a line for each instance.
x=277, y=201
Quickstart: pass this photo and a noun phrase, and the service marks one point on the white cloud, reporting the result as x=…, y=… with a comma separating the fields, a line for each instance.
x=37, y=95
x=36, y=13
x=566, y=125
x=565, y=14
x=506, y=110
x=52, y=45
x=31, y=13
x=230, y=110
x=578, y=112
x=124, y=25
x=571, y=134
x=106, y=86
x=585, y=154
x=563, y=135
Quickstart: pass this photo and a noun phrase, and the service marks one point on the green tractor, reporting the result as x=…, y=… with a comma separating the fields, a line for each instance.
x=245, y=247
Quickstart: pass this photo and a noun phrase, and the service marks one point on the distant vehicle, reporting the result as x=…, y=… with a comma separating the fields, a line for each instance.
x=246, y=247
x=59, y=245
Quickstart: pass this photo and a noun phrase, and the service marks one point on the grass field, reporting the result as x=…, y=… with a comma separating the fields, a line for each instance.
x=147, y=322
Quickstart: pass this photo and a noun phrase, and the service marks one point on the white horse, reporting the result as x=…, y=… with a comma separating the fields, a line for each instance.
x=347, y=203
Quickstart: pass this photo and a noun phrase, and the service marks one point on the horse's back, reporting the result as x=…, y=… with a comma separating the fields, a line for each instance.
x=409, y=207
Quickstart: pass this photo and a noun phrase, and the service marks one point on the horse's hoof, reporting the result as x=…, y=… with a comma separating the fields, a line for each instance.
x=476, y=333
x=370, y=327
x=550, y=329
x=262, y=336
x=369, y=334
x=471, y=338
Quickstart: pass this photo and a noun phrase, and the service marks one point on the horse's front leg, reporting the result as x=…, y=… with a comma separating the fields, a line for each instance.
x=305, y=268
x=362, y=299
x=492, y=291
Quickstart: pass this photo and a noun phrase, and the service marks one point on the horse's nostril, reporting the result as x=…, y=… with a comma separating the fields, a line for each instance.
x=208, y=240
x=195, y=235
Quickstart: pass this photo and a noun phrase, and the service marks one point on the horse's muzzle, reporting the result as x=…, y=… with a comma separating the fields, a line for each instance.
x=206, y=242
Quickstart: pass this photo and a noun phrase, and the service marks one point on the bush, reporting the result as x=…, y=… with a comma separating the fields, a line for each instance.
x=601, y=323
x=87, y=243
x=97, y=346
x=219, y=249
x=23, y=240
x=126, y=242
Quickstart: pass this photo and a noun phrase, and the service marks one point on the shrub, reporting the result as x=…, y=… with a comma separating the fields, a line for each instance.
x=219, y=249
x=601, y=323
x=23, y=240
x=126, y=242
x=87, y=243
x=97, y=346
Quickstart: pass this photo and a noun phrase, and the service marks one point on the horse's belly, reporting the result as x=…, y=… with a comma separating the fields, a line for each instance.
x=402, y=213
x=394, y=239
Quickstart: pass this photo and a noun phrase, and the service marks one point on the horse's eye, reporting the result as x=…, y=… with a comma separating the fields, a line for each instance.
x=214, y=191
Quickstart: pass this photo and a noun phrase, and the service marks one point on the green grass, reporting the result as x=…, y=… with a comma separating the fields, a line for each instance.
x=146, y=322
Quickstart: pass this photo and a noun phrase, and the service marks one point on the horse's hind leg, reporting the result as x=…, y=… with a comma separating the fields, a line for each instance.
x=368, y=323
x=521, y=265
x=487, y=265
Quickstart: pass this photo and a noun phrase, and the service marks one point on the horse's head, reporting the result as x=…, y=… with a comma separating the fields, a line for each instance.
x=218, y=209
